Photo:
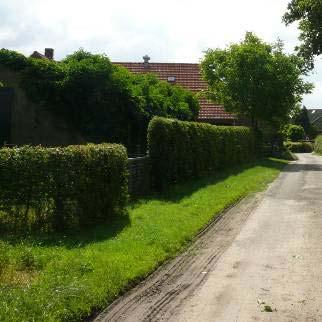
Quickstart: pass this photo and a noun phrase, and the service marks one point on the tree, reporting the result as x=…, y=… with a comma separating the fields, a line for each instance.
x=309, y=15
x=293, y=132
x=255, y=80
x=106, y=103
x=301, y=118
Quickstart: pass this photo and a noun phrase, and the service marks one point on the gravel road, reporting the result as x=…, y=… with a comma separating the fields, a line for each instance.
x=265, y=254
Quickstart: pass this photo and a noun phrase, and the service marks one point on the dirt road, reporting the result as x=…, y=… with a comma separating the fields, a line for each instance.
x=263, y=255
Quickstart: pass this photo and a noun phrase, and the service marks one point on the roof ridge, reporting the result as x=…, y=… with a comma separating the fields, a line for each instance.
x=164, y=63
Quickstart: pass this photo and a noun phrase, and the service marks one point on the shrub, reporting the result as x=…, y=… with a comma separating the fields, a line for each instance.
x=183, y=150
x=4, y=257
x=101, y=100
x=294, y=133
x=299, y=147
x=318, y=144
x=286, y=154
x=59, y=188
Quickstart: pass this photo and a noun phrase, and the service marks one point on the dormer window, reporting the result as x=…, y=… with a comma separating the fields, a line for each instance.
x=171, y=79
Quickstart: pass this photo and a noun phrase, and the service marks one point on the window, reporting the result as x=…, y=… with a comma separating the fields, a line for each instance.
x=171, y=79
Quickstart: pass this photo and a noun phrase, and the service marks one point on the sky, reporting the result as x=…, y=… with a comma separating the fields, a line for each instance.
x=125, y=30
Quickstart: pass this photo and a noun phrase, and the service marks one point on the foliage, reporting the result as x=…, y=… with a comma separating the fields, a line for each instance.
x=301, y=117
x=255, y=79
x=318, y=144
x=285, y=154
x=299, y=147
x=293, y=132
x=309, y=15
x=59, y=188
x=105, y=102
x=183, y=150
x=13, y=60
x=68, y=277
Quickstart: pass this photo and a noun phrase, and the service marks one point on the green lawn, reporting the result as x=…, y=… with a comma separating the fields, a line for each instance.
x=60, y=277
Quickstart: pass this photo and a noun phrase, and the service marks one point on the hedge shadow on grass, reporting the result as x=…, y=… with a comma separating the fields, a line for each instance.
x=177, y=192
x=70, y=239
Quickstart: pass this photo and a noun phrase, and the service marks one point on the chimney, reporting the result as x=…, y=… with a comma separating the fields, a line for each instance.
x=49, y=53
x=146, y=59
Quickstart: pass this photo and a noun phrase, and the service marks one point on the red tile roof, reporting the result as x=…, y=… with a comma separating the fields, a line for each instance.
x=188, y=76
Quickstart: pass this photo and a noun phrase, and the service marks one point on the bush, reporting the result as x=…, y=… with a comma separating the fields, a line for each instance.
x=294, y=133
x=60, y=188
x=318, y=144
x=300, y=147
x=183, y=150
x=286, y=154
x=101, y=100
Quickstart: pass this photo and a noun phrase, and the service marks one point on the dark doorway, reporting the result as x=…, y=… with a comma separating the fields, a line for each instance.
x=6, y=101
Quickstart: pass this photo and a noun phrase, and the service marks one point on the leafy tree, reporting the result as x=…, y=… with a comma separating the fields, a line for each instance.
x=301, y=118
x=255, y=80
x=309, y=15
x=293, y=132
x=105, y=102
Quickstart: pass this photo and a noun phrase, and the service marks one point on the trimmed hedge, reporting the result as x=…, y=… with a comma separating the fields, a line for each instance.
x=299, y=147
x=183, y=150
x=61, y=188
x=318, y=144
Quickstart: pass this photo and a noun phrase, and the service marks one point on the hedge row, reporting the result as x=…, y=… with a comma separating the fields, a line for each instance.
x=318, y=144
x=60, y=188
x=299, y=147
x=183, y=150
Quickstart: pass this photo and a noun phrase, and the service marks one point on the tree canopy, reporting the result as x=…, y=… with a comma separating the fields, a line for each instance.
x=301, y=117
x=309, y=15
x=104, y=101
x=255, y=79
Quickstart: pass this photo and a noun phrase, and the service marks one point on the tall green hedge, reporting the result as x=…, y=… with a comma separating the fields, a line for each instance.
x=183, y=150
x=59, y=188
x=318, y=144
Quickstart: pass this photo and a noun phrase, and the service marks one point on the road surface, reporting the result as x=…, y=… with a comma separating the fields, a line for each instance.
x=260, y=261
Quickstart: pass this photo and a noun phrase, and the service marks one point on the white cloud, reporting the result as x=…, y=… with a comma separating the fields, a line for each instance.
x=126, y=30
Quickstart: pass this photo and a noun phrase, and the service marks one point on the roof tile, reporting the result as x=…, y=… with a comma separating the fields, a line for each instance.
x=188, y=76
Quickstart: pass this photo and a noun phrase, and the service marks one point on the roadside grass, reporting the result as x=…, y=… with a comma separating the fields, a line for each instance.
x=66, y=278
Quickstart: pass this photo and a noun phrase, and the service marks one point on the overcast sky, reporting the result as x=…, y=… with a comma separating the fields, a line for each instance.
x=125, y=30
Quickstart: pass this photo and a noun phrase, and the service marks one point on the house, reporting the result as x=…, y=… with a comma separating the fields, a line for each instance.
x=315, y=117
x=187, y=75
x=49, y=54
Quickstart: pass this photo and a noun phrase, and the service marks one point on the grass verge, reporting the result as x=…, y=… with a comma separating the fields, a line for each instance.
x=65, y=278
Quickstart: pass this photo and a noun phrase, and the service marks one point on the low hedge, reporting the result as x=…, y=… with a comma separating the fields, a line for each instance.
x=60, y=188
x=183, y=150
x=318, y=144
x=299, y=147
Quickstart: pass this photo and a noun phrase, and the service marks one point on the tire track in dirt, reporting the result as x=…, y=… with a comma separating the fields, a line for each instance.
x=157, y=297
